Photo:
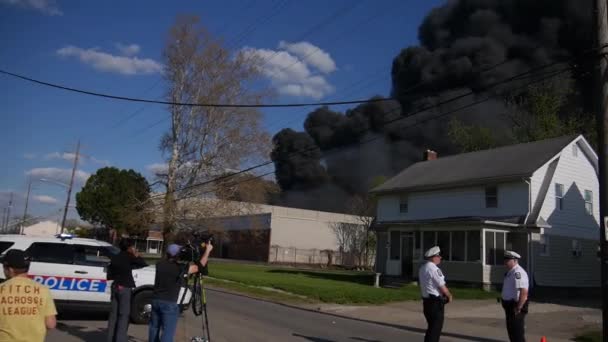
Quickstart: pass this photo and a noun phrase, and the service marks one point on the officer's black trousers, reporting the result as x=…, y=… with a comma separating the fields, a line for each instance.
x=433, y=312
x=515, y=322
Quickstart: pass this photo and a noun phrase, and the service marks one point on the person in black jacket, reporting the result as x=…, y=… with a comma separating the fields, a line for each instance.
x=120, y=271
x=167, y=285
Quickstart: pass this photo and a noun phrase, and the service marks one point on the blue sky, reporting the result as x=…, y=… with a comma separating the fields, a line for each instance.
x=115, y=47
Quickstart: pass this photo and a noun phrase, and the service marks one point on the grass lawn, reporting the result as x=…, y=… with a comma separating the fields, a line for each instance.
x=592, y=336
x=342, y=287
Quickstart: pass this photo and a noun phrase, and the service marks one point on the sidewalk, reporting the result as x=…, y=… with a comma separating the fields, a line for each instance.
x=478, y=320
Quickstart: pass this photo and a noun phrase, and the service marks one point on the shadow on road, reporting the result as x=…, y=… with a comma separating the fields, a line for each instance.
x=363, y=339
x=82, y=316
x=84, y=333
x=311, y=338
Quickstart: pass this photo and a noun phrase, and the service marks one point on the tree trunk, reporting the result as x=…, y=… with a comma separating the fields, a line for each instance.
x=169, y=205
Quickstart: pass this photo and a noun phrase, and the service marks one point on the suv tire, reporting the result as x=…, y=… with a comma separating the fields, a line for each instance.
x=141, y=307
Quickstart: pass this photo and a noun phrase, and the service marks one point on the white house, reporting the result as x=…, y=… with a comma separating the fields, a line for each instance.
x=539, y=199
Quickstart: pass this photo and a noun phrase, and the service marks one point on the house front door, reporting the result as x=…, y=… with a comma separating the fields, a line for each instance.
x=407, y=255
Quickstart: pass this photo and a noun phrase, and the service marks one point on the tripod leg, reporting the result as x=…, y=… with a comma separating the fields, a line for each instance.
x=205, y=310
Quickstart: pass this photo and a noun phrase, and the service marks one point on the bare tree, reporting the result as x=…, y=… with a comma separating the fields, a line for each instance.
x=364, y=208
x=204, y=142
x=352, y=241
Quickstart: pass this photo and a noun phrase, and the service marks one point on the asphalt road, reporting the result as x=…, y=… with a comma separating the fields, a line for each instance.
x=237, y=318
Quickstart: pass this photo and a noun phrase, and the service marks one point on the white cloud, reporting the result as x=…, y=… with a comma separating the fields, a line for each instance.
x=128, y=50
x=45, y=199
x=157, y=168
x=56, y=155
x=29, y=156
x=291, y=74
x=100, y=161
x=60, y=175
x=104, y=61
x=70, y=157
x=311, y=54
x=48, y=7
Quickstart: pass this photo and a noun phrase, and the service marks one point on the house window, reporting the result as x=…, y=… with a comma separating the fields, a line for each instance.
x=544, y=245
x=458, y=246
x=455, y=246
x=490, y=246
x=428, y=241
x=443, y=241
x=577, y=250
x=491, y=197
x=495, y=247
x=473, y=246
x=575, y=150
x=559, y=196
x=589, y=202
x=403, y=205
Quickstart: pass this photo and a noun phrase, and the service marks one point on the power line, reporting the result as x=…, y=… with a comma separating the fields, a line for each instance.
x=279, y=8
x=326, y=153
x=137, y=111
x=442, y=103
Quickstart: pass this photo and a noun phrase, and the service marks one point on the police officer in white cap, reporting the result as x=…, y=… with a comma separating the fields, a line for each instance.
x=515, y=297
x=434, y=294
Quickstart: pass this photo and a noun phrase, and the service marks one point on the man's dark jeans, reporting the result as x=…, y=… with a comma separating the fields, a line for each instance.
x=163, y=322
x=118, y=323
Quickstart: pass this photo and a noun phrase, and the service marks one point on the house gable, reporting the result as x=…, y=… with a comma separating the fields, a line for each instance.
x=575, y=169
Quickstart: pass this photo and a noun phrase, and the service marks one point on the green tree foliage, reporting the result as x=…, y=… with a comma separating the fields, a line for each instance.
x=470, y=138
x=116, y=199
x=543, y=111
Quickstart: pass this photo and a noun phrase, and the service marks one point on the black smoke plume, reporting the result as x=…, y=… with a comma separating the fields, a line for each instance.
x=465, y=45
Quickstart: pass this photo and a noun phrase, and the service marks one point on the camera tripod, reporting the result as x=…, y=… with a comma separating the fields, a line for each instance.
x=199, y=304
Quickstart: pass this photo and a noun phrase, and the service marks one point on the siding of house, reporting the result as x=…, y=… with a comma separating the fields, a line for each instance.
x=457, y=271
x=493, y=274
x=512, y=200
x=577, y=174
x=561, y=268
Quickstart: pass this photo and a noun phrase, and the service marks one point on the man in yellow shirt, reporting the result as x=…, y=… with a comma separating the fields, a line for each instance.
x=27, y=309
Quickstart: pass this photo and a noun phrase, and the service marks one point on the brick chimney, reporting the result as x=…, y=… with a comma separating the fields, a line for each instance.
x=430, y=155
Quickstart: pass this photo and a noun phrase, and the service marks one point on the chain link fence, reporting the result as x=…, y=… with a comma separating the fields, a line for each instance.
x=292, y=255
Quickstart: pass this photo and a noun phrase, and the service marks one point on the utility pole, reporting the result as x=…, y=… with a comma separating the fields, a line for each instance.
x=67, y=202
x=3, y=219
x=27, y=201
x=602, y=130
x=8, y=213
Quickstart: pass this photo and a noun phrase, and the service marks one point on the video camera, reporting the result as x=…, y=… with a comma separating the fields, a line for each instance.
x=194, y=248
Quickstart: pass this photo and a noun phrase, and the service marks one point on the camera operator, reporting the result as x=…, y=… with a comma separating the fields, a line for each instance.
x=120, y=270
x=167, y=284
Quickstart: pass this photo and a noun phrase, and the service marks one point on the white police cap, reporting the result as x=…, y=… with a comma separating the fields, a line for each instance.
x=512, y=255
x=433, y=251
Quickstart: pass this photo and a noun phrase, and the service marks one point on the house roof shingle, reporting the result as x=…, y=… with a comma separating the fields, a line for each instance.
x=499, y=164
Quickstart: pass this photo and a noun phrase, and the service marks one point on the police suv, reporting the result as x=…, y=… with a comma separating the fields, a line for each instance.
x=75, y=271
